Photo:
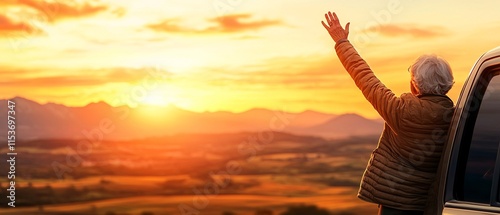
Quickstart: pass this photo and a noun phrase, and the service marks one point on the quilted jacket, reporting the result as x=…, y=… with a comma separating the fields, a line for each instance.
x=402, y=168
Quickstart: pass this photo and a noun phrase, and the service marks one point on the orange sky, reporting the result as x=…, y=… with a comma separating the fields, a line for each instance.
x=228, y=55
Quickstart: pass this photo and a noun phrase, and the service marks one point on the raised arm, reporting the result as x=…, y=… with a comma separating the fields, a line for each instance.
x=381, y=98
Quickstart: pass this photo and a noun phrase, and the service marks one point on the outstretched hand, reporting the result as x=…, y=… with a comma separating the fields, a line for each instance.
x=334, y=28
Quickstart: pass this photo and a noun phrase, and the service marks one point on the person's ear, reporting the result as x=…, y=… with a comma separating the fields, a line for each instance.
x=414, y=88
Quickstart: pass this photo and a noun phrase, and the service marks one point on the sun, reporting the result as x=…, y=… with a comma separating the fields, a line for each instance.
x=155, y=98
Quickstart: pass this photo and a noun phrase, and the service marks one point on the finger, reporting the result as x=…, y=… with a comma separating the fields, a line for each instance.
x=347, y=28
x=337, y=21
x=326, y=26
x=327, y=18
x=331, y=17
x=335, y=17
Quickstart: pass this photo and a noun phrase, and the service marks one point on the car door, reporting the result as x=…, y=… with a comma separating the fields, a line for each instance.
x=472, y=182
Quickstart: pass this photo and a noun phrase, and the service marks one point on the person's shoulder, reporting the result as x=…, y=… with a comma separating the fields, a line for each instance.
x=408, y=97
x=411, y=108
x=409, y=101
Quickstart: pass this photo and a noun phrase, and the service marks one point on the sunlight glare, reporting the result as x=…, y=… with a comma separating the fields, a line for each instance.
x=156, y=98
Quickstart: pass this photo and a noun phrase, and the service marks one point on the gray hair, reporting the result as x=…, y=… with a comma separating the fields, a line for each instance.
x=432, y=75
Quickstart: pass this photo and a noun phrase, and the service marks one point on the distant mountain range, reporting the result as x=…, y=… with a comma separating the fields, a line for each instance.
x=56, y=121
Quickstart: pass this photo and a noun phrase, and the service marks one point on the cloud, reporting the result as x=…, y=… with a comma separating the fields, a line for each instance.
x=87, y=78
x=56, y=81
x=54, y=11
x=305, y=80
x=233, y=23
x=171, y=26
x=299, y=72
x=393, y=30
x=7, y=25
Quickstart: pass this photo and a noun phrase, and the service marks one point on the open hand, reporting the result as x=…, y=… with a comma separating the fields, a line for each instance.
x=336, y=31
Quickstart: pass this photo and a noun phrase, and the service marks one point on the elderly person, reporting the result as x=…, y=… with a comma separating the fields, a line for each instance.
x=402, y=169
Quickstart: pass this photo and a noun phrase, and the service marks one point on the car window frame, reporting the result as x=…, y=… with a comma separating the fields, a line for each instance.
x=457, y=134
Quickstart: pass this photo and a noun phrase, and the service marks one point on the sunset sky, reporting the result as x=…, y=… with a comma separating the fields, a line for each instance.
x=230, y=55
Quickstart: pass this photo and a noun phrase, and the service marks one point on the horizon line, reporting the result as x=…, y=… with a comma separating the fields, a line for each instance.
x=170, y=105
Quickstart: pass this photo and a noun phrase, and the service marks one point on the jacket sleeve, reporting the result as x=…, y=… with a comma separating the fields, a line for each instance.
x=382, y=99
